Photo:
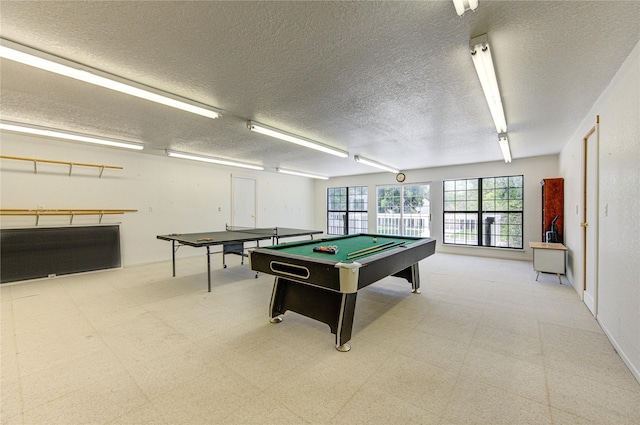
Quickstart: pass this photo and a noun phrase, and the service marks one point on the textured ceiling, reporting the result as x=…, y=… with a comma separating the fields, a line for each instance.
x=391, y=81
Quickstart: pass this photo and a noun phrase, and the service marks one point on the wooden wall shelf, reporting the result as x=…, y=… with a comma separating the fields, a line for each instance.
x=70, y=164
x=70, y=212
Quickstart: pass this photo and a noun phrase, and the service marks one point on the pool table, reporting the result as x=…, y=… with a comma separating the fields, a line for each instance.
x=324, y=285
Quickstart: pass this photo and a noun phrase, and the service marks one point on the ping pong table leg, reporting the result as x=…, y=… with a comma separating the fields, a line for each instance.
x=208, y=269
x=173, y=256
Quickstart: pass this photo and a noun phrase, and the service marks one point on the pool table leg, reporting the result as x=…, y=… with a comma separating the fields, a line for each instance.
x=412, y=274
x=334, y=308
x=345, y=321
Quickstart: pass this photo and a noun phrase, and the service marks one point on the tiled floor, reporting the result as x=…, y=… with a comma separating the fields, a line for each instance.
x=483, y=344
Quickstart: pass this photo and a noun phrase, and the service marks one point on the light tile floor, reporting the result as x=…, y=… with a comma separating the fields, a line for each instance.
x=483, y=344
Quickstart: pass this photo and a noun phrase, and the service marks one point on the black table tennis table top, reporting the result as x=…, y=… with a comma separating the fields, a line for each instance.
x=236, y=235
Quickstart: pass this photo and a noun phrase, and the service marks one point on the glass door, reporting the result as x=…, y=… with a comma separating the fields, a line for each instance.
x=404, y=210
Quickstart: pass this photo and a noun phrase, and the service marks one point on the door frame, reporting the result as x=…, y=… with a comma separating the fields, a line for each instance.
x=235, y=195
x=590, y=165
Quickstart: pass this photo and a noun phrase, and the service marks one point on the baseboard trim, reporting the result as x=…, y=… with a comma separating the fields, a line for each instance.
x=633, y=368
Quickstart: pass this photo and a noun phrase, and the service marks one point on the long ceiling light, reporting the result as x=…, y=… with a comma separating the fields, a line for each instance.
x=481, y=55
x=375, y=164
x=65, y=135
x=25, y=55
x=504, y=146
x=192, y=157
x=464, y=5
x=300, y=173
x=288, y=137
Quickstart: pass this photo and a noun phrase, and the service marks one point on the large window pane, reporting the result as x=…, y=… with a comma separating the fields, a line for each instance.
x=358, y=222
x=388, y=218
x=358, y=198
x=461, y=228
x=337, y=198
x=336, y=223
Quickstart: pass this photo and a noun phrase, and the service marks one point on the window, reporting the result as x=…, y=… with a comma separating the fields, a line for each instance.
x=484, y=211
x=347, y=210
x=403, y=210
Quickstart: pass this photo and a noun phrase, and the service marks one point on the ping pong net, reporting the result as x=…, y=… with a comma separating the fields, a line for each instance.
x=272, y=231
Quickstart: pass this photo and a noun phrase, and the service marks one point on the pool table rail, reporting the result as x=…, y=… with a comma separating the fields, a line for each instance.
x=338, y=275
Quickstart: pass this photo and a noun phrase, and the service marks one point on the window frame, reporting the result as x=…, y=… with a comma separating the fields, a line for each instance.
x=476, y=217
x=349, y=210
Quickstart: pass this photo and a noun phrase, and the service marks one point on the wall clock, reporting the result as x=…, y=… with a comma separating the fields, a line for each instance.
x=400, y=177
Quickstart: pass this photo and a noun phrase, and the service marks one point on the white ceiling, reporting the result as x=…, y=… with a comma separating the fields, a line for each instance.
x=390, y=81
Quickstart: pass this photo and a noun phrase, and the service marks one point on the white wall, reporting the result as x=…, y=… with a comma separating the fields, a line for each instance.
x=533, y=169
x=619, y=189
x=171, y=195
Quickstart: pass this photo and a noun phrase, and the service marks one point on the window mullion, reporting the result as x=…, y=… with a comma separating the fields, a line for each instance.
x=401, y=209
x=346, y=215
x=480, y=211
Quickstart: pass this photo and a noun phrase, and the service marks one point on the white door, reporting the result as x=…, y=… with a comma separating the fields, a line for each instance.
x=590, y=219
x=243, y=213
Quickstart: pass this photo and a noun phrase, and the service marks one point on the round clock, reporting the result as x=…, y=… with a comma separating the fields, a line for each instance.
x=400, y=177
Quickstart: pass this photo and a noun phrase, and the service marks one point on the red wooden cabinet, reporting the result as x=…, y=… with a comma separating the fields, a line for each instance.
x=552, y=207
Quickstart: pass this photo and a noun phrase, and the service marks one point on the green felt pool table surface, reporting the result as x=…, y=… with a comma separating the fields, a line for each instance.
x=345, y=244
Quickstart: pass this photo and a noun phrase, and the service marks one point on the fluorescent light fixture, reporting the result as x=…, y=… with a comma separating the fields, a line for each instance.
x=300, y=173
x=192, y=157
x=288, y=137
x=464, y=5
x=481, y=55
x=25, y=55
x=65, y=135
x=375, y=164
x=504, y=146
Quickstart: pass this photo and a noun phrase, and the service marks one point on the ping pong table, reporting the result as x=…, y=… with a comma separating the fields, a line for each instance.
x=232, y=240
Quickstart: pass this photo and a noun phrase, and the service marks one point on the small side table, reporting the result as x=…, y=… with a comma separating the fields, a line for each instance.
x=549, y=258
